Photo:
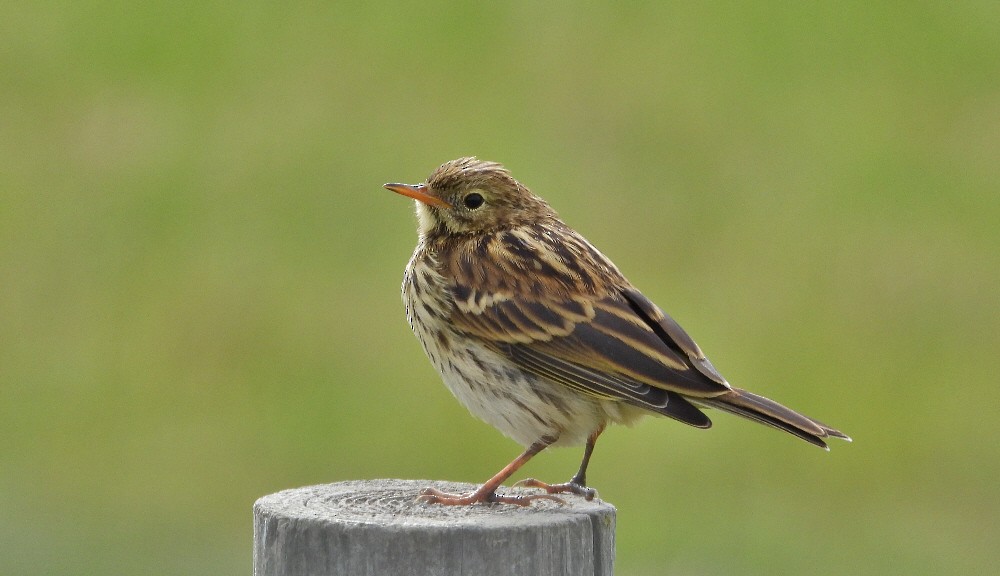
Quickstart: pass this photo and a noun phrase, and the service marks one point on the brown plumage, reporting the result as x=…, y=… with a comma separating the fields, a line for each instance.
x=538, y=333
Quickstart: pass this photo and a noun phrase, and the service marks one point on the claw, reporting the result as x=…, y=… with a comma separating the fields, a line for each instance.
x=435, y=496
x=565, y=488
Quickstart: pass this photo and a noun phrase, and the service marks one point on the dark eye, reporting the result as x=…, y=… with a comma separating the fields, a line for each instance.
x=473, y=200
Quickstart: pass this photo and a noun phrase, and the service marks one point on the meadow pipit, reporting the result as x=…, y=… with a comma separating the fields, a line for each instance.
x=537, y=332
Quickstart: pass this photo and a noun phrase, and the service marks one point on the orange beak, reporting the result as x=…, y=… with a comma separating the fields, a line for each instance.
x=417, y=192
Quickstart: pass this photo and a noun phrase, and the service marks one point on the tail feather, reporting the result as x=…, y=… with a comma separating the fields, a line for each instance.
x=760, y=409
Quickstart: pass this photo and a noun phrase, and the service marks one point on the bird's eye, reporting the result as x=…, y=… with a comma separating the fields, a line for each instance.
x=473, y=200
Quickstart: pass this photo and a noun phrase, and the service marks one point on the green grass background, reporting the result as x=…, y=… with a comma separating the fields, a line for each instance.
x=199, y=269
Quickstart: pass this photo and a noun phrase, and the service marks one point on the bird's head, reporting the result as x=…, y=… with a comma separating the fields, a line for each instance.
x=470, y=196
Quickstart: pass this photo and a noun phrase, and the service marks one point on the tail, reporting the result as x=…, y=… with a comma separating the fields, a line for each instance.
x=760, y=409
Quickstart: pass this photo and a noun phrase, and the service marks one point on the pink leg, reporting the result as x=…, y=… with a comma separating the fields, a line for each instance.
x=488, y=492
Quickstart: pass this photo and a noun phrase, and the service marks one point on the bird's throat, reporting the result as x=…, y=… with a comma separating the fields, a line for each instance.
x=426, y=222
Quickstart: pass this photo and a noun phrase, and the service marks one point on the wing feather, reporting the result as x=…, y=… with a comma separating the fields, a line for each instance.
x=556, y=307
x=608, y=386
x=604, y=348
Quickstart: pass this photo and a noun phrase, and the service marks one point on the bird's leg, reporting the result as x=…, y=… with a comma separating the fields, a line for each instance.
x=578, y=483
x=487, y=493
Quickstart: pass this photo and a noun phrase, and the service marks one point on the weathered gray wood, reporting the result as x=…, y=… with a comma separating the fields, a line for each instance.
x=376, y=527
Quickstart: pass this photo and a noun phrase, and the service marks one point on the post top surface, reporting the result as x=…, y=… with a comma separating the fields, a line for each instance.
x=394, y=502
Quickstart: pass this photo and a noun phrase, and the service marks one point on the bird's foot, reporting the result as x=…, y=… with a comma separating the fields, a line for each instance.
x=481, y=496
x=570, y=487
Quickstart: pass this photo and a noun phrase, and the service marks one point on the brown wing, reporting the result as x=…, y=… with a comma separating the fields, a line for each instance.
x=617, y=347
x=545, y=298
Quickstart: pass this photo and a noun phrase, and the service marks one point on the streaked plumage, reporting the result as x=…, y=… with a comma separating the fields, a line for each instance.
x=537, y=332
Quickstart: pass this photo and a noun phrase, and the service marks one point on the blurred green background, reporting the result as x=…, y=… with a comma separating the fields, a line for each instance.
x=199, y=269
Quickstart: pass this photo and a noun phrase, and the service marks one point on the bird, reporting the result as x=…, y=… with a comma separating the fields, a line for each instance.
x=538, y=333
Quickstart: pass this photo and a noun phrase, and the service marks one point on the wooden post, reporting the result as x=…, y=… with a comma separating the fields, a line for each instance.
x=376, y=527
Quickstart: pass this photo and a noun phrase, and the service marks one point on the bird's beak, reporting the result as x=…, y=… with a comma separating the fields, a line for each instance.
x=417, y=192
